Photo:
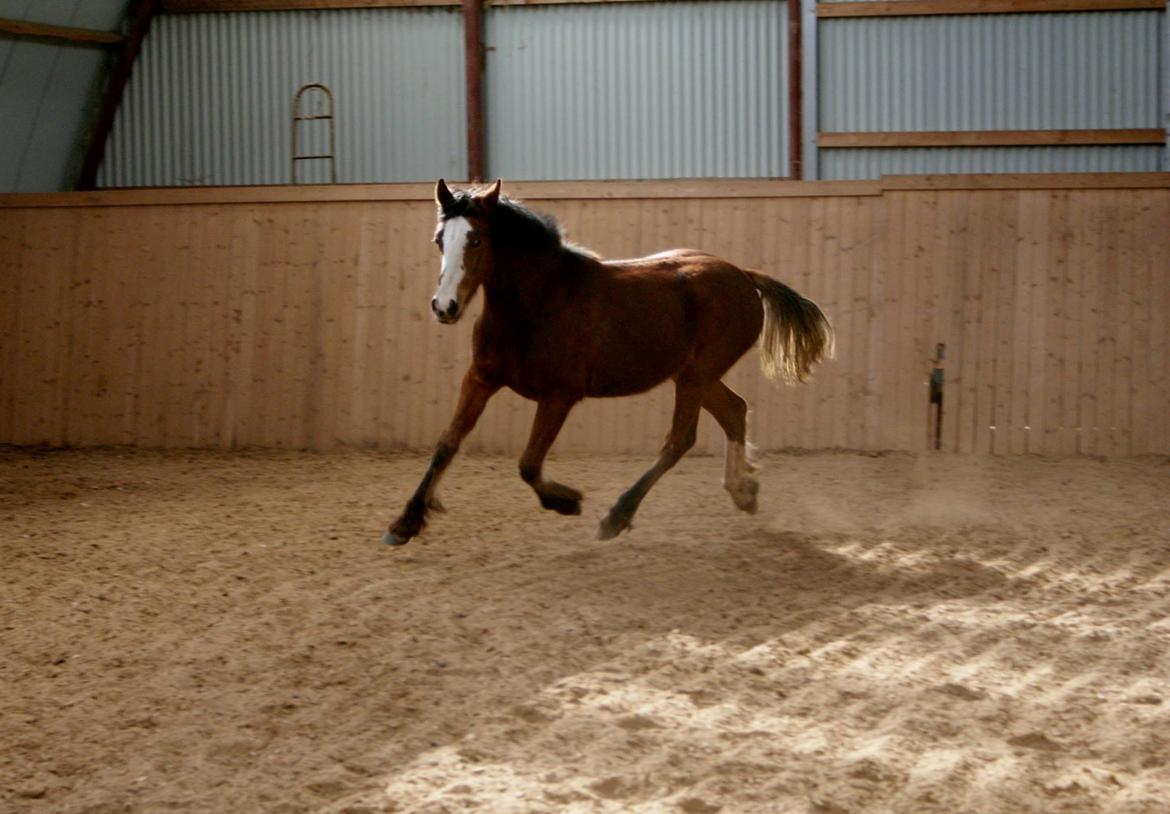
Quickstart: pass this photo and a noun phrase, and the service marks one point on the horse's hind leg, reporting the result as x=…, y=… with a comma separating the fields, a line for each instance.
x=683, y=429
x=730, y=410
x=550, y=417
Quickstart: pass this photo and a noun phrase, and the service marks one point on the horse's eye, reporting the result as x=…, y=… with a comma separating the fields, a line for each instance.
x=473, y=242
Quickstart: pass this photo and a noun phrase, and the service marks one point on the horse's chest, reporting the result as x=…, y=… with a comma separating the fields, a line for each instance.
x=532, y=362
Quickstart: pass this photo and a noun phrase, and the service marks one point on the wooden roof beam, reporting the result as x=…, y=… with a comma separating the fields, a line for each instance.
x=59, y=33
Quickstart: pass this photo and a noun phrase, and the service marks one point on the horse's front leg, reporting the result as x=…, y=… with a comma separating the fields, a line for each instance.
x=473, y=397
x=550, y=417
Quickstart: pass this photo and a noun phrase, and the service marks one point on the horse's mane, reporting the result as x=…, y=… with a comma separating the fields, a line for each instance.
x=514, y=223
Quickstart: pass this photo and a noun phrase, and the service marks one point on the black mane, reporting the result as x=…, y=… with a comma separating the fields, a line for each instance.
x=511, y=222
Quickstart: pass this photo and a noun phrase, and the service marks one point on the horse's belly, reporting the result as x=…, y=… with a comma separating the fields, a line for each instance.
x=595, y=378
x=636, y=369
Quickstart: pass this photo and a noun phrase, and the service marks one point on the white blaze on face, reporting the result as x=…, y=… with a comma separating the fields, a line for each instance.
x=451, y=273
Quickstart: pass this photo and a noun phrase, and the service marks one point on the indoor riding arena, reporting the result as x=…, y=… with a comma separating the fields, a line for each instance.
x=225, y=371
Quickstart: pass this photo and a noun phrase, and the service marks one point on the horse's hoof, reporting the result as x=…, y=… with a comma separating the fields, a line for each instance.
x=561, y=504
x=746, y=503
x=611, y=527
x=745, y=496
x=390, y=538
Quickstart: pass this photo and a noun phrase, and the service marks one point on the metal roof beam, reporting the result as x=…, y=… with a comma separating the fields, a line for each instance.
x=139, y=24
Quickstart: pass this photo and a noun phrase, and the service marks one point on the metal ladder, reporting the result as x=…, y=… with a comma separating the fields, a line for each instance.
x=298, y=116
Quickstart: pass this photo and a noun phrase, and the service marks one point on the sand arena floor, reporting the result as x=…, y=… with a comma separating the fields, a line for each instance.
x=221, y=632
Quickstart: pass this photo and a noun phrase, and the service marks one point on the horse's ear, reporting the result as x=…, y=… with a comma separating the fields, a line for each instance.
x=443, y=196
x=489, y=199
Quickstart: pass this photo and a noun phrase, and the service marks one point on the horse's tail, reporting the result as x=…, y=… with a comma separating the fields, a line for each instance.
x=797, y=334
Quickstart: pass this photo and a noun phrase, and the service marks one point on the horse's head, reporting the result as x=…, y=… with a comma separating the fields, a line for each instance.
x=465, y=242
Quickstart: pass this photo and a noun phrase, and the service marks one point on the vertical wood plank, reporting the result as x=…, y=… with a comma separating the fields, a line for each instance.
x=1084, y=253
x=1066, y=344
x=825, y=386
x=393, y=420
x=274, y=383
x=1156, y=221
x=126, y=332
x=1124, y=323
x=763, y=415
x=978, y=306
x=1107, y=334
x=343, y=356
x=878, y=335
x=852, y=401
x=915, y=311
x=12, y=272
x=47, y=299
x=1049, y=432
x=1006, y=305
x=1142, y=287
x=1027, y=375
x=240, y=270
x=950, y=270
x=85, y=380
x=804, y=247
x=149, y=364
x=204, y=341
x=365, y=382
x=996, y=255
x=82, y=379
x=895, y=293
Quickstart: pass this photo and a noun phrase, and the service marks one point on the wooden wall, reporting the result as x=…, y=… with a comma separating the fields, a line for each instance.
x=299, y=317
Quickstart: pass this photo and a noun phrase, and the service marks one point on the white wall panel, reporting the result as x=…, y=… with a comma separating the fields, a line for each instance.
x=210, y=102
x=639, y=90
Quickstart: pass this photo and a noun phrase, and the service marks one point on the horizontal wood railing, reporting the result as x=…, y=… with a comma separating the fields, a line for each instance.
x=918, y=8
x=992, y=138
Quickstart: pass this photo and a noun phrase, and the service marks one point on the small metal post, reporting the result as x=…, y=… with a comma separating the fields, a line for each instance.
x=937, y=378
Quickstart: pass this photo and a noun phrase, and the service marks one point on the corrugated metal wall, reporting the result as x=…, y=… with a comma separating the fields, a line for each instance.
x=631, y=90
x=990, y=72
x=645, y=90
x=210, y=102
x=654, y=90
x=48, y=92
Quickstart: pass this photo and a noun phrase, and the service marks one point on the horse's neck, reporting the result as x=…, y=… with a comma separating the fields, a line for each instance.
x=525, y=289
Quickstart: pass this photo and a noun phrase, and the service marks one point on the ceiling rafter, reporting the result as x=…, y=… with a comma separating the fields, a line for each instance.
x=59, y=33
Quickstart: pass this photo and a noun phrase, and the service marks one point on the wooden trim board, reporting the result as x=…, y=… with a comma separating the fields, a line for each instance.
x=920, y=8
x=60, y=33
x=991, y=138
x=221, y=6
x=584, y=190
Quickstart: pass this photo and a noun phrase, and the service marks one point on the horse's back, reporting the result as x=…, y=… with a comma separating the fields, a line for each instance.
x=674, y=313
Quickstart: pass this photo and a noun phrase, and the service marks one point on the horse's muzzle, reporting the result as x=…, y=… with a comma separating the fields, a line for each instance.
x=448, y=314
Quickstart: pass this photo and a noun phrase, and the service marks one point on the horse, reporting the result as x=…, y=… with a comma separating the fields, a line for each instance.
x=559, y=324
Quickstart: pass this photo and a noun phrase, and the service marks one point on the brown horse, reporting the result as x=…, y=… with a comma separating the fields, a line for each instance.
x=560, y=325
